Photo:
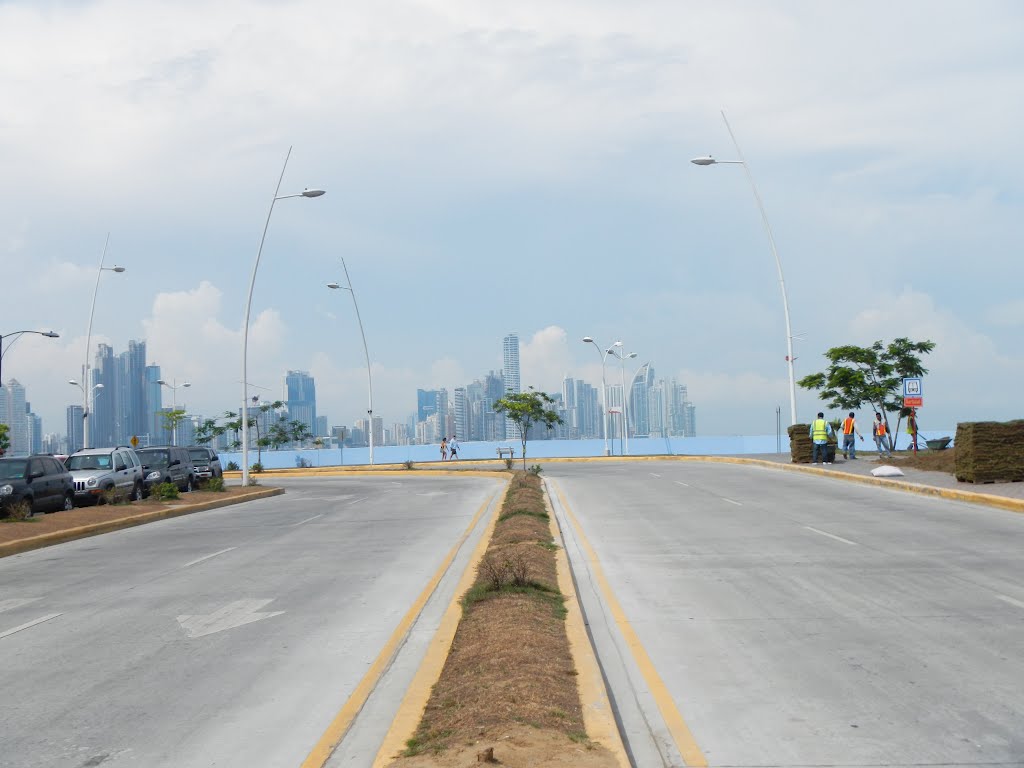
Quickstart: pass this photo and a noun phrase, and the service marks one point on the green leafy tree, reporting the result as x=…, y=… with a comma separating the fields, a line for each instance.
x=873, y=375
x=172, y=419
x=525, y=409
x=298, y=432
x=5, y=438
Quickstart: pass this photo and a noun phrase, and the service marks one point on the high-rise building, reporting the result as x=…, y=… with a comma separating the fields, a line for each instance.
x=639, y=420
x=13, y=413
x=131, y=398
x=321, y=427
x=35, y=430
x=103, y=418
x=461, y=412
x=154, y=406
x=426, y=403
x=74, y=428
x=510, y=374
x=301, y=398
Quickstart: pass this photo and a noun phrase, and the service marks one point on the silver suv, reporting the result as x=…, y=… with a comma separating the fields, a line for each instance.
x=98, y=470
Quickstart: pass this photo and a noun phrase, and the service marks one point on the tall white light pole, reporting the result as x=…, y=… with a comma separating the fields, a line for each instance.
x=771, y=242
x=617, y=352
x=366, y=350
x=17, y=335
x=244, y=415
x=604, y=392
x=88, y=341
x=174, y=387
x=85, y=395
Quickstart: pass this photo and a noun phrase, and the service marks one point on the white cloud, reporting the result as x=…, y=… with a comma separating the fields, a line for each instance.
x=1010, y=313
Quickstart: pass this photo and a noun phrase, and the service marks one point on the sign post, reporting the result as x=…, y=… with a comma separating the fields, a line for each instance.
x=913, y=398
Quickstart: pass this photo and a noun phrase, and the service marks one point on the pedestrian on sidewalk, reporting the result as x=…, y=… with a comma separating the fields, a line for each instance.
x=820, y=432
x=849, y=443
x=453, y=449
x=880, y=434
x=444, y=449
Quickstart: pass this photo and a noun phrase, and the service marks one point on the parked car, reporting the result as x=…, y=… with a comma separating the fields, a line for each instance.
x=206, y=462
x=167, y=464
x=98, y=470
x=41, y=481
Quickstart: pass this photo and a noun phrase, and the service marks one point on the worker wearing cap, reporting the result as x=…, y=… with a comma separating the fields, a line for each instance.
x=849, y=430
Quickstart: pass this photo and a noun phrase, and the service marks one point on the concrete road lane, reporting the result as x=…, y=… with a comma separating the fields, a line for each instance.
x=801, y=620
x=225, y=638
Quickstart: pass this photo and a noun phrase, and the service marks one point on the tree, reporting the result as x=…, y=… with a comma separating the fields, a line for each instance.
x=298, y=431
x=858, y=375
x=525, y=409
x=5, y=438
x=172, y=419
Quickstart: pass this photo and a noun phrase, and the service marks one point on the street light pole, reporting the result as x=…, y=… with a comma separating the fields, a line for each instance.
x=617, y=352
x=174, y=403
x=17, y=335
x=771, y=242
x=85, y=395
x=366, y=350
x=604, y=392
x=248, y=308
x=88, y=341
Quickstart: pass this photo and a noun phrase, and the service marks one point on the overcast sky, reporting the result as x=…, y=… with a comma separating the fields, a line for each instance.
x=495, y=167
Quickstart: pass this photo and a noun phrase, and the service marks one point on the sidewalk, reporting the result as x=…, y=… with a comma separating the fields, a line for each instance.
x=868, y=460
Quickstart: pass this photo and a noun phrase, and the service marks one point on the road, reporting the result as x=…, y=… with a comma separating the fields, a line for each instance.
x=225, y=638
x=795, y=620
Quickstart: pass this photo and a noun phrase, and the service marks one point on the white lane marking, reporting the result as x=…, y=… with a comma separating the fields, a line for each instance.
x=653, y=474
x=1011, y=601
x=232, y=615
x=28, y=624
x=738, y=504
x=831, y=536
x=678, y=482
x=207, y=557
x=350, y=503
x=16, y=602
x=308, y=519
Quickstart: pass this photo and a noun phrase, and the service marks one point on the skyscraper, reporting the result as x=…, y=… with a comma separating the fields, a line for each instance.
x=74, y=427
x=103, y=418
x=154, y=406
x=132, y=393
x=301, y=394
x=510, y=374
x=13, y=414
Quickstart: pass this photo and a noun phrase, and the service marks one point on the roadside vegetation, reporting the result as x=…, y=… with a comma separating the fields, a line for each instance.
x=510, y=665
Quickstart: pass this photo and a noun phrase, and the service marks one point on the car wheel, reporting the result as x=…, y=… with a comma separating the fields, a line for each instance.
x=136, y=492
x=69, y=502
x=102, y=498
x=31, y=505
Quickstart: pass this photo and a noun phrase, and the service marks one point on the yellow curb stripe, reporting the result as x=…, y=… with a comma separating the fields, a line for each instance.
x=362, y=472
x=94, y=529
x=598, y=717
x=677, y=727
x=410, y=711
x=336, y=731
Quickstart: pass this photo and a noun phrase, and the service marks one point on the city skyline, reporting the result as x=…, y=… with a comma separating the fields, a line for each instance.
x=516, y=167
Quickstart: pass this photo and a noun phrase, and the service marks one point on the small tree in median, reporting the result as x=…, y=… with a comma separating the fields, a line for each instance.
x=525, y=409
x=873, y=375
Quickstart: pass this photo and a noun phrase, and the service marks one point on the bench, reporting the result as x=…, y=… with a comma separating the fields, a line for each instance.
x=502, y=451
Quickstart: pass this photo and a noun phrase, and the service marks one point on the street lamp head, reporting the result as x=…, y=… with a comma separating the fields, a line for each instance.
x=333, y=285
x=631, y=355
x=312, y=192
x=187, y=384
x=161, y=382
x=617, y=344
x=117, y=268
x=72, y=381
x=98, y=386
x=587, y=340
x=51, y=335
x=707, y=160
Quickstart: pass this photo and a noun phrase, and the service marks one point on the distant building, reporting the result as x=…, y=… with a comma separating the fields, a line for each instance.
x=301, y=398
x=13, y=413
x=510, y=375
x=74, y=428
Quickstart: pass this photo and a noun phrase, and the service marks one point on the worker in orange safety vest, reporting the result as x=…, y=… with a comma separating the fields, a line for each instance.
x=849, y=430
x=879, y=432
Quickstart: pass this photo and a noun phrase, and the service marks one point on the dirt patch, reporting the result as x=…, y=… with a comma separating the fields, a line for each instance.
x=509, y=682
x=932, y=461
x=58, y=522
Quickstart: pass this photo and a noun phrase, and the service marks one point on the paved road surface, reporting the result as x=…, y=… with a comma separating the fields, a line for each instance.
x=803, y=621
x=226, y=638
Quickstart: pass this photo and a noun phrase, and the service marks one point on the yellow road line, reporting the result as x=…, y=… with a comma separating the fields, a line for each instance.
x=598, y=717
x=677, y=727
x=410, y=711
x=343, y=720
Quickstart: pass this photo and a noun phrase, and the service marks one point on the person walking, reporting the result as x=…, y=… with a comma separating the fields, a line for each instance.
x=444, y=449
x=453, y=449
x=820, y=432
x=849, y=431
x=880, y=433
x=912, y=428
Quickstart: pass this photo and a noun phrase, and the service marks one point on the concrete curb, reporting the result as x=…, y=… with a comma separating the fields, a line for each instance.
x=368, y=472
x=84, y=531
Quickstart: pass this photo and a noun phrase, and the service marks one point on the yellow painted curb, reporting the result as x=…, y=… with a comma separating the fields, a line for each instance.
x=413, y=705
x=674, y=722
x=365, y=472
x=598, y=717
x=83, y=531
x=336, y=731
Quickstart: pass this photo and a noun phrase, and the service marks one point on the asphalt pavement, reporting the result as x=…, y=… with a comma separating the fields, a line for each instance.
x=772, y=618
x=226, y=638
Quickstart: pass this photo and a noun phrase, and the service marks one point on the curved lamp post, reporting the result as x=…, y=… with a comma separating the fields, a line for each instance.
x=95, y=392
x=771, y=242
x=366, y=350
x=617, y=352
x=244, y=415
x=88, y=341
x=174, y=387
x=604, y=390
x=17, y=335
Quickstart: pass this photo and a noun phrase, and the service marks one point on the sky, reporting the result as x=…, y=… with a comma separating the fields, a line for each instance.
x=514, y=167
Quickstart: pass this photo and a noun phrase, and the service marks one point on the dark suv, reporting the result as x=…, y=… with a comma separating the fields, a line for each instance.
x=206, y=461
x=167, y=464
x=40, y=481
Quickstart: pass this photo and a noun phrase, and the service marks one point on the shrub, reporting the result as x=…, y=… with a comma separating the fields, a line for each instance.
x=114, y=496
x=232, y=466
x=257, y=467
x=215, y=484
x=536, y=469
x=509, y=463
x=164, y=491
x=301, y=463
x=409, y=464
x=19, y=511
